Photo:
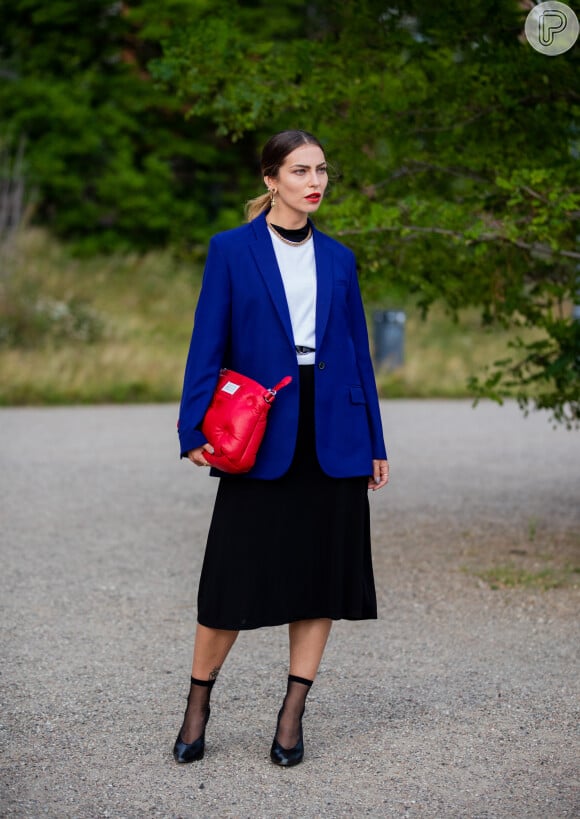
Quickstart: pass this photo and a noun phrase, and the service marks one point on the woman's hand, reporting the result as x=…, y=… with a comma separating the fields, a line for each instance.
x=196, y=455
x=380, y=476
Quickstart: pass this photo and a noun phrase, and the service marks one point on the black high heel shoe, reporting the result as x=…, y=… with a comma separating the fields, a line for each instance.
x=287, y=756
x=198, y=699
x=190, y=751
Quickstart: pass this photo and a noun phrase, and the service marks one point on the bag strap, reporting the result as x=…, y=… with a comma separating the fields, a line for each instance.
x=271, y=394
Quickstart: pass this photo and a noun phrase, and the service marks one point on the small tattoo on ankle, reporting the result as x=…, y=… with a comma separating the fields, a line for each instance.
x=213, y=674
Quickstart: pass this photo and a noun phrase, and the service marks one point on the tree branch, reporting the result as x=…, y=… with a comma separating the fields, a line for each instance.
x=534, y=247
x=416, y=166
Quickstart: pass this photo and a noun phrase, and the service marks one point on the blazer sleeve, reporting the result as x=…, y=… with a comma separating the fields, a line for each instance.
x=361, y=343
x=209, y=341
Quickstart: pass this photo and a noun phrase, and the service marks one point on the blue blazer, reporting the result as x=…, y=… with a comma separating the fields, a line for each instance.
x=242, y=322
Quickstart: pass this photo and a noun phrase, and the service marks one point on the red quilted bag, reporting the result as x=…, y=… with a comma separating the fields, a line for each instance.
x=235, y=421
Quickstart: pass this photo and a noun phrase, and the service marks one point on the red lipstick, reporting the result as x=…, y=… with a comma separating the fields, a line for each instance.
x=313, y=197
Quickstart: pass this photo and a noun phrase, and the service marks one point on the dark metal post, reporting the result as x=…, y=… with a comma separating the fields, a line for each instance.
x=389, y=338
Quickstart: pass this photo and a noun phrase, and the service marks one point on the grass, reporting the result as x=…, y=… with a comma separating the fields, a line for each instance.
x=145, y=305
x=441, y=354
x=537, y=559
x=143, y=308
x=510, y=576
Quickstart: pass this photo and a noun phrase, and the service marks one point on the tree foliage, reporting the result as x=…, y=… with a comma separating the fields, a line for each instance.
x=458, y=147
x=456, y=144
x=111, y=158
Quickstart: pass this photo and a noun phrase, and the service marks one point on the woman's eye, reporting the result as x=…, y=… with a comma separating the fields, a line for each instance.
x=299, y=171
x=322, y=170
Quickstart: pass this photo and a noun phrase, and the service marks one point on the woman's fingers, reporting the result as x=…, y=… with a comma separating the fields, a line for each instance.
x=196, y=456
x=380, y=476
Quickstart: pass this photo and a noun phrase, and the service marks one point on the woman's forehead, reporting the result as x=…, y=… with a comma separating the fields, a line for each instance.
x=305, y=155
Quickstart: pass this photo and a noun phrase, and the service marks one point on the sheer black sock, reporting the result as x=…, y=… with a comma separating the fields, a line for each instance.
x=197, y=711
x=288, y=733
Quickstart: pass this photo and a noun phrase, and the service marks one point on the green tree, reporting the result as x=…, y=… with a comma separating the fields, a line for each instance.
x=111, y=158
x=458, y=148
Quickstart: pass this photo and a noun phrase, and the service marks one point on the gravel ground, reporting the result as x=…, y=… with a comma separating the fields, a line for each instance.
x=460, y=701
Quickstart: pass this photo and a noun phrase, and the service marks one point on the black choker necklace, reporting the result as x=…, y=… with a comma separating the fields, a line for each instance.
x=293, y=236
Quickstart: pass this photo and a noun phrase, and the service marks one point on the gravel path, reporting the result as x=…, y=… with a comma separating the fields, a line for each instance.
x=460, y=701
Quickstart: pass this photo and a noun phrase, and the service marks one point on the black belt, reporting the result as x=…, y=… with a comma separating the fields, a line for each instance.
x=301, y=350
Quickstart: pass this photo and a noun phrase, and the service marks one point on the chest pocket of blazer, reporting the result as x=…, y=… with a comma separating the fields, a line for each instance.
x=357, y=395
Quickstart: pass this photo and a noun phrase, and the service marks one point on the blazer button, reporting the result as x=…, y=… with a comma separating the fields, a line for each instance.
x=321, y=365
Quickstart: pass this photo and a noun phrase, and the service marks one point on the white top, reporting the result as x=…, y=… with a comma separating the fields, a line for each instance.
x=298, y=269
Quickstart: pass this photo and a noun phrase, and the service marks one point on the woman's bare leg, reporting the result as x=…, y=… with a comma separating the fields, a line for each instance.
x=212, y=646
x=307, y=643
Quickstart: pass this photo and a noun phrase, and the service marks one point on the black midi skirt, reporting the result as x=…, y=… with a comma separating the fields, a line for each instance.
x=289, y=549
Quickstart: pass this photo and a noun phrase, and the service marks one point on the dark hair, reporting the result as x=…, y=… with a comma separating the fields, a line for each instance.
x=274, y=153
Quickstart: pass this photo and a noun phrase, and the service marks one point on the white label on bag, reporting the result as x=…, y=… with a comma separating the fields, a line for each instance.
x=230, y=387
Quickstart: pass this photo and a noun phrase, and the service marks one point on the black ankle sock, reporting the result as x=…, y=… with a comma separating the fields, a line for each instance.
x=288, y=733
x=197, y=711
x=303, y=680
x=204, y=683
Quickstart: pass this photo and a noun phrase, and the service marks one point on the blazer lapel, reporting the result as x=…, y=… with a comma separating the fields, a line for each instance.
x=263, y=252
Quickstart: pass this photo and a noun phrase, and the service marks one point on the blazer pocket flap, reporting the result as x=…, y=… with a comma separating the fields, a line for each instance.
x=357, y=395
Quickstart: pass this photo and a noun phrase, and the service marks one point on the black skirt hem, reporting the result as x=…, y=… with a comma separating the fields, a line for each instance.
x=287, y=621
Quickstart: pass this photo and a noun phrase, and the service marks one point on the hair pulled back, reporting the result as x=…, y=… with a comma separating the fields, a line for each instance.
x=274, y=153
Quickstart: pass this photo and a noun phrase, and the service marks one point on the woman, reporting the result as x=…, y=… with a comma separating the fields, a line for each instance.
x=289, y=541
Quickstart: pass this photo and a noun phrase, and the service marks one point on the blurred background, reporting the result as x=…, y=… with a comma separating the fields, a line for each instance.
x=130, y=132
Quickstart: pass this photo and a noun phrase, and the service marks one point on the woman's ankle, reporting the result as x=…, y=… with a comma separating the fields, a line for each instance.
x=197, y=711
x=289, y=731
